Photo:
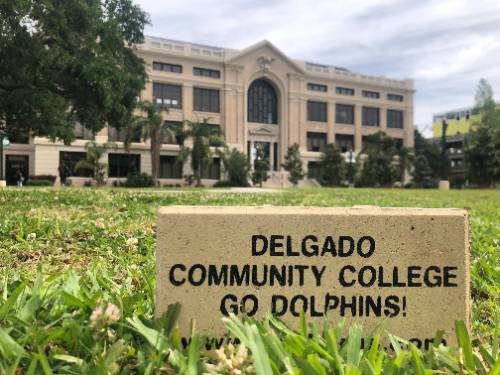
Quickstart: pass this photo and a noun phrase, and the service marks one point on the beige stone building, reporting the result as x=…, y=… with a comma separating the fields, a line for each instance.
x=257, y=95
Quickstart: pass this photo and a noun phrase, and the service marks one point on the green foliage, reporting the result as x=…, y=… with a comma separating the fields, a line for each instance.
x=333, y=166
x=69, y=61
x=379, y=168
x=237, y=167
x=46, y=177
x=482, y=152
x=204, y=137
x=39, y=182
x=139, y=180
x=151, y=126
x=94, y=153
x=260, y=167
x=426, y=162
x=97, y=247
x=293, y=164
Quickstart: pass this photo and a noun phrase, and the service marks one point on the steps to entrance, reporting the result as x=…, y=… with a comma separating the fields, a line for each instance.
x=280, y=180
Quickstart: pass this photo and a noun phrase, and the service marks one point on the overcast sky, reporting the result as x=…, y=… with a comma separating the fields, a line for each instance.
x=446, y=46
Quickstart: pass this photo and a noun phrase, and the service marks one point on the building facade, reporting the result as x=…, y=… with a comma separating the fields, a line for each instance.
x=258, y=96
x=459, y=123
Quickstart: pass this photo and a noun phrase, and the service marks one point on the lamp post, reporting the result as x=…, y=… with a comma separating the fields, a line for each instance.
x=350, y=166
x=3, y=132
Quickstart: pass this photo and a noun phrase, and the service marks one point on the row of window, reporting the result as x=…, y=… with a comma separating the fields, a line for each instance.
x=317, y=142
x=205, y=100
x=349, y=91
x=344, y=114
x=176, y=68
x=122, y=165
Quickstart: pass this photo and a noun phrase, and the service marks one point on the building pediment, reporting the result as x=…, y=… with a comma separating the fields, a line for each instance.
x=267, y=54
x=260, y=130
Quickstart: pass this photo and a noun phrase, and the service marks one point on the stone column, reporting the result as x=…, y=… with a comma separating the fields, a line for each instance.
x=383, y=119
x=271, y=156
x=358, y=111
x=187, y=100
x=408, y=129
x=331, y=122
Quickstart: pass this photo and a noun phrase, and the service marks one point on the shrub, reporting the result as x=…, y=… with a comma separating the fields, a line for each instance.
x=139, y=180
x=39, y=182
x=293, y=164
x=237, y=167
x=333, y=168
x=225, y=183
x=379, y=167
x=43, y=177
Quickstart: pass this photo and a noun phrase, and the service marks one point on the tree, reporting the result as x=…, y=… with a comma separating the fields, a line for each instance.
x=333, y=166
x=425, y=161
x=484, y=95
x=237, y=167
x=92, y=161
x=379, y=167
x=204, y=136
x=68, y=61
x=151, y=126
x=293, y=164
x=260, y=167
x=482, y=152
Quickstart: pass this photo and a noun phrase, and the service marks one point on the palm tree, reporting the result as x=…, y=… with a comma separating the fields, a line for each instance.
x=92, y=161
x=204, y=136
x=151, y=126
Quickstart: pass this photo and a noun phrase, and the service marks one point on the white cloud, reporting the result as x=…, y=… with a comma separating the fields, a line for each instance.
x=446, y=45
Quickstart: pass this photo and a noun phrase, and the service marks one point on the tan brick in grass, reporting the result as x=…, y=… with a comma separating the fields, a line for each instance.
x=407, y=268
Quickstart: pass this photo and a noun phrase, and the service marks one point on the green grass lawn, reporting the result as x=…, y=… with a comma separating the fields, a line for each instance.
x=65, y=251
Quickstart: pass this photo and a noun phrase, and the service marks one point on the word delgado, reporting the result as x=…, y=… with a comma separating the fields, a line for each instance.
x=279, y=245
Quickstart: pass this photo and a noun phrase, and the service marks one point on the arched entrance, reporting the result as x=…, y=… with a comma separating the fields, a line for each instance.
x=263, y=120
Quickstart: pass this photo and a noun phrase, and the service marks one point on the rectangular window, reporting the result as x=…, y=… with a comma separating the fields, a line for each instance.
x=345, y=142
x=371, y=94
x=121, y=165
x=206, y=100
x=317, y=87
x=170, y=167
x=344, y=114
x=211, y=172
x=81, y=132
x=69, y=159
x=395, y=98
x=316, y=111
x=394, y=119
x=371, y=116
x=115, y=135
x=166, y=67
x=316, y=142
x=167, y=95
x=173, y=136
x=314, y=170
x=204, y=72
x=344, y=91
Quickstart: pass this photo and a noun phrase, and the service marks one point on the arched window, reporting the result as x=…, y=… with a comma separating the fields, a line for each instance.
x=262, y=103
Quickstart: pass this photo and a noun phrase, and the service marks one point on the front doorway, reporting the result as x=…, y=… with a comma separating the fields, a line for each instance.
x=13, y=164
x=270, y=152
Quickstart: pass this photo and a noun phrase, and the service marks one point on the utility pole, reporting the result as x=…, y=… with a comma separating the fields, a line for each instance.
x=444, y=169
